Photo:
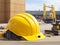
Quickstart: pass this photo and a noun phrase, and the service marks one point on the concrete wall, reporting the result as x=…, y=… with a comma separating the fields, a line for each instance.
x=17, y=6
x=2, y=11
x=9, y=8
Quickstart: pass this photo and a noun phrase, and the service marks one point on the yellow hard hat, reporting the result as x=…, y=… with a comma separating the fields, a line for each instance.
x=25, y=25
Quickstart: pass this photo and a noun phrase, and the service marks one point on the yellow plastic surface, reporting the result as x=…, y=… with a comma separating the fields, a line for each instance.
x=25, y=25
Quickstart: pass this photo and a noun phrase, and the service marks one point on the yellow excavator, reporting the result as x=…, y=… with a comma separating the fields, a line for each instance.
x=22, y=26
x=55, y=30
x=51, y=17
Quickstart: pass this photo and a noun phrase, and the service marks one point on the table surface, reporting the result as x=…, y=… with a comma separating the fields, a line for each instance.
x=55, y=40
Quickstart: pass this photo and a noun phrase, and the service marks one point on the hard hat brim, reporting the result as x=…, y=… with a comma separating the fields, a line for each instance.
x=34, y=37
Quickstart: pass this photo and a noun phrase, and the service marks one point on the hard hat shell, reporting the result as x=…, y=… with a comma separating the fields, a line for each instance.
x=25, y=25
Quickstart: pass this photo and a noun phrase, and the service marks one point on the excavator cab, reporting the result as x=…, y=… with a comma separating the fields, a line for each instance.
x=56, y=25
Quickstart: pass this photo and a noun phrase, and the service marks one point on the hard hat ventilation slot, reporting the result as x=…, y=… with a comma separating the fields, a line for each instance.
x=39, y=36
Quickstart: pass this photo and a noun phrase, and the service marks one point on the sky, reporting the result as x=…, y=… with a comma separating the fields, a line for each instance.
x=35, y=5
